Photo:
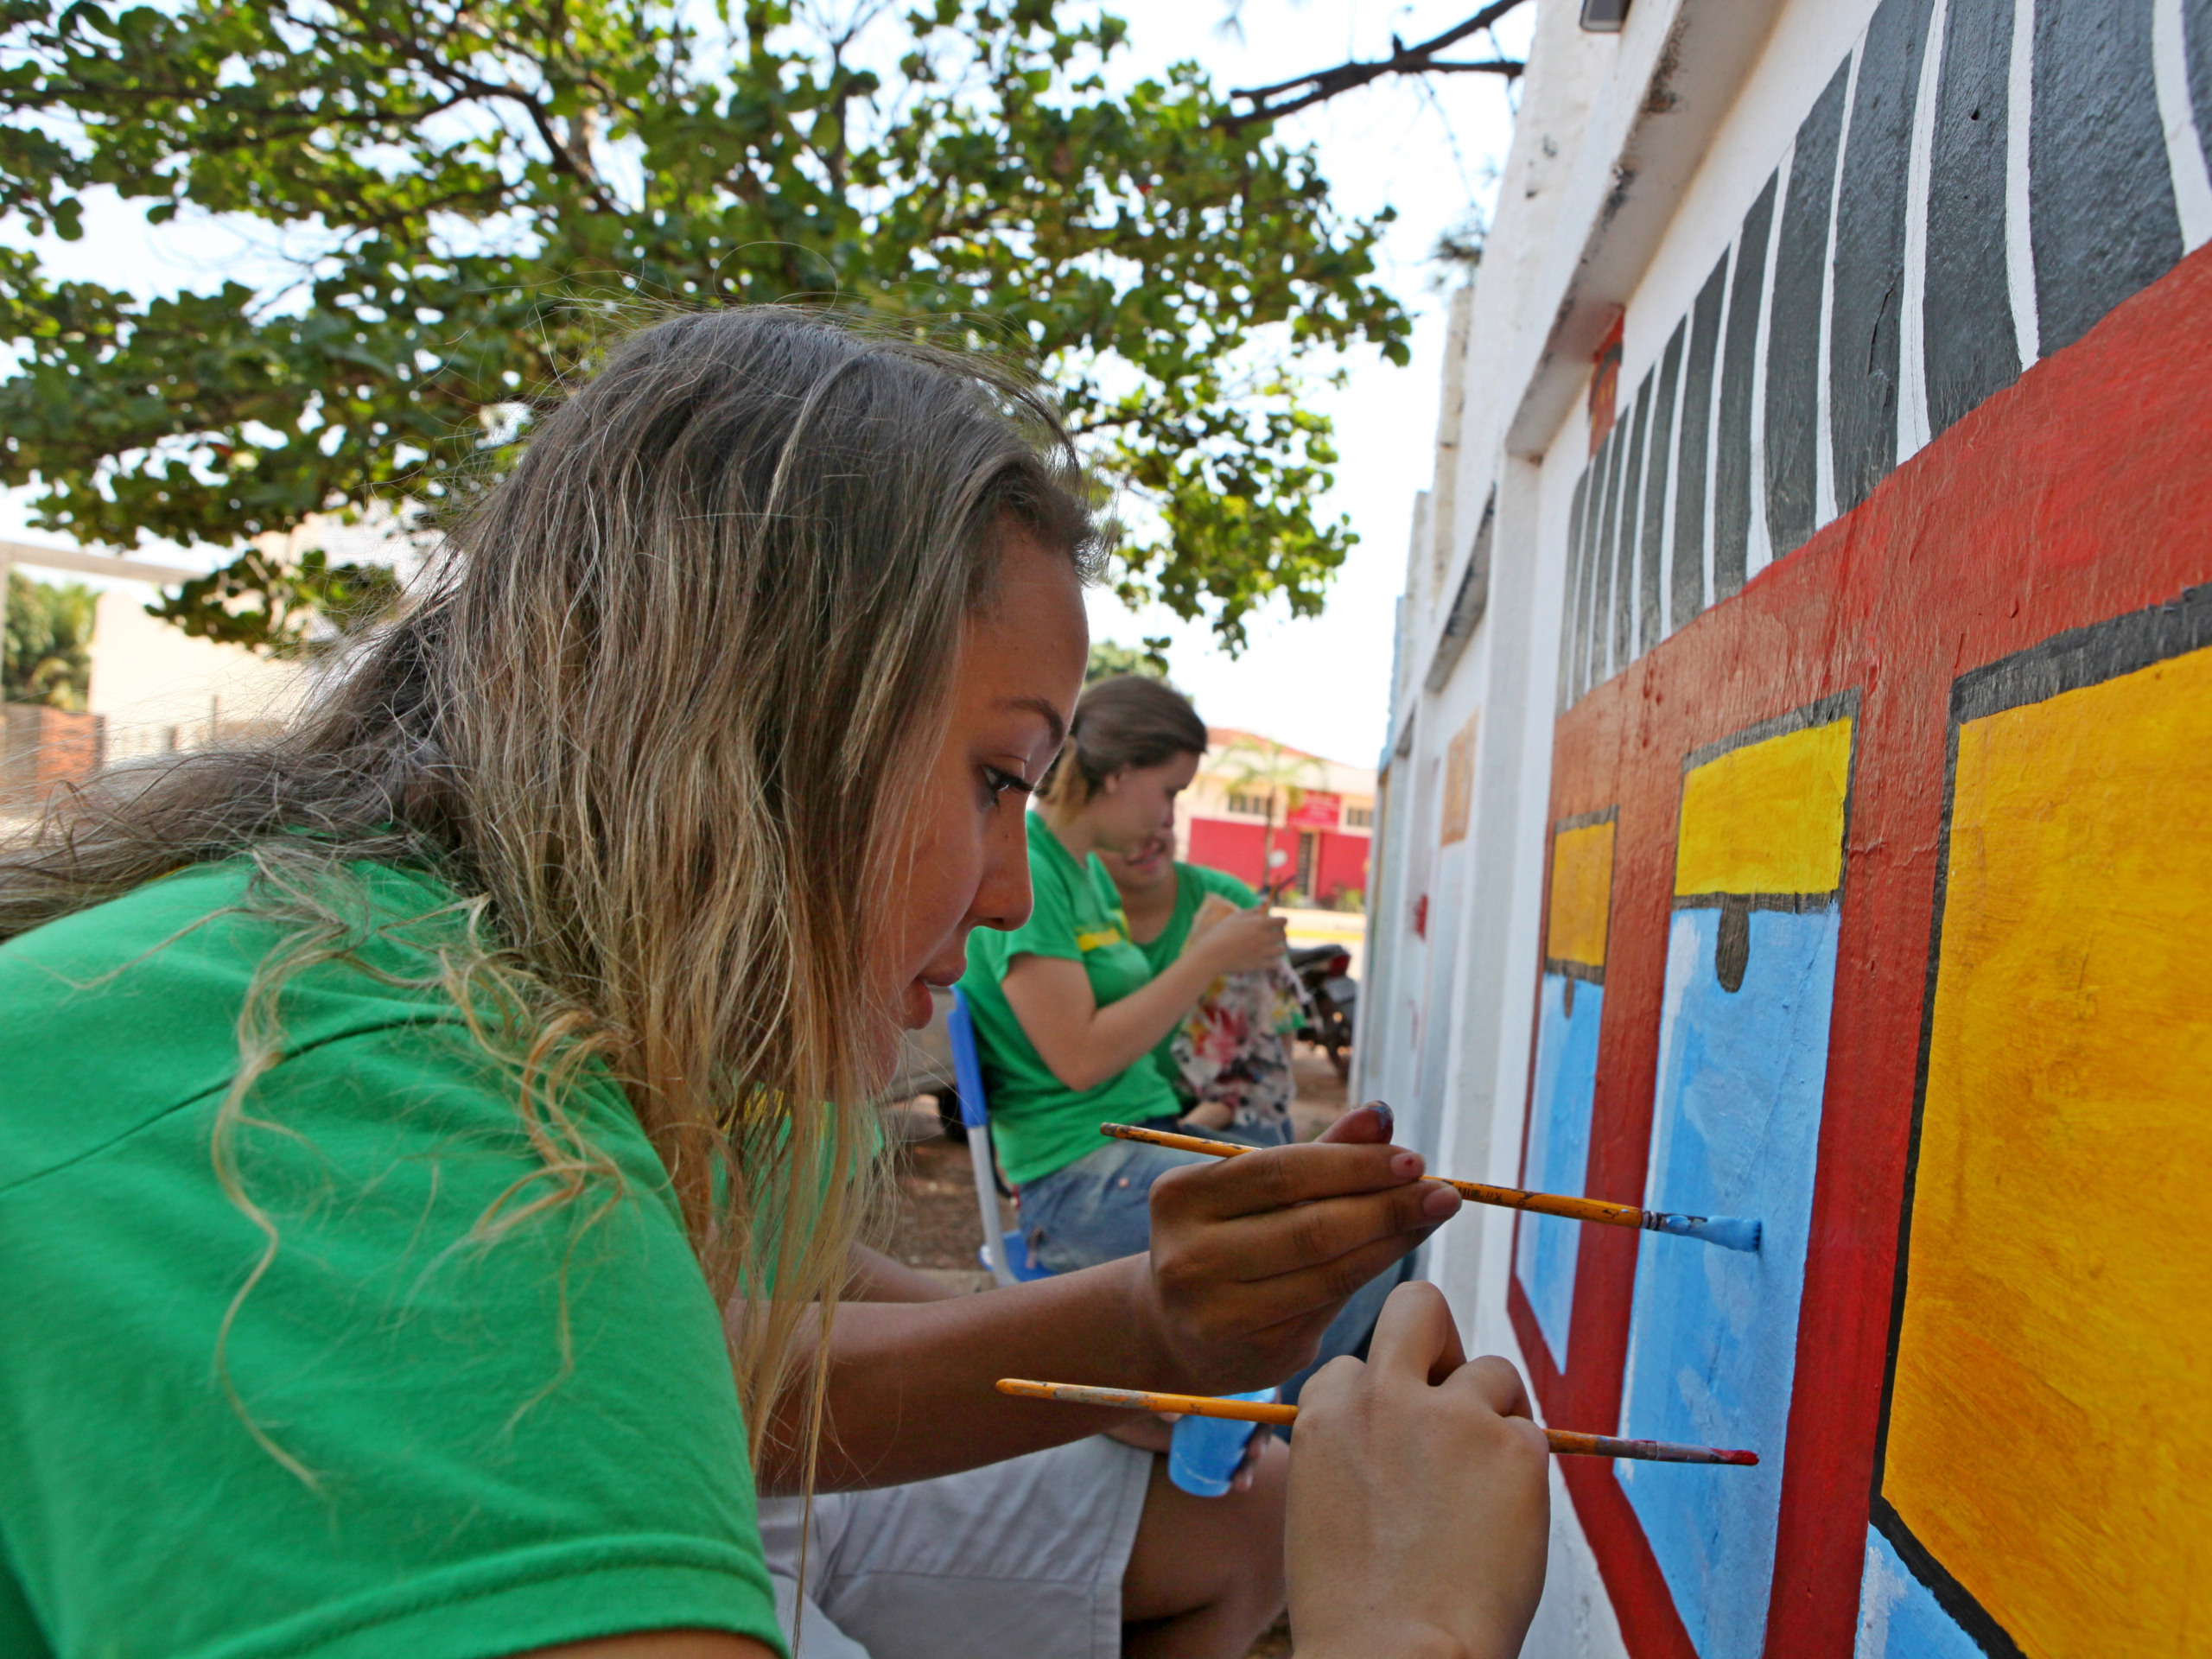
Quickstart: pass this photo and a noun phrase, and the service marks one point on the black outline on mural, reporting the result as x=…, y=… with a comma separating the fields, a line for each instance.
x=2072, y=661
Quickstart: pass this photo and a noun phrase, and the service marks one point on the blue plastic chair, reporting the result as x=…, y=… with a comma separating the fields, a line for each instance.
x=1006, y=1253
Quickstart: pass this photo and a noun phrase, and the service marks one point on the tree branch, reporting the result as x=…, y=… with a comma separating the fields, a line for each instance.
x=1421, y=59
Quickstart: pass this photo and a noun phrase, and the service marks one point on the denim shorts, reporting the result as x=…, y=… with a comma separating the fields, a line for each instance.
x=1098, y=1207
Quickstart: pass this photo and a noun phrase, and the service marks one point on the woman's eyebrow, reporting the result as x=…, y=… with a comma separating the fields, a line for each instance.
x=1053, y=723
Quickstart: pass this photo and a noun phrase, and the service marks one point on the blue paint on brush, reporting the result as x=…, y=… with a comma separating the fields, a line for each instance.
x=1729, y=1232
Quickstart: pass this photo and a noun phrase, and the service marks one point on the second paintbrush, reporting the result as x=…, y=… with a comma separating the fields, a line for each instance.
x=1730, y=1232
x=1566, y=1442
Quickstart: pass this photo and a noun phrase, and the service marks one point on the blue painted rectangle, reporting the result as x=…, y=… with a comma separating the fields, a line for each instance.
x=1712, y=1333
x=1559, y=1149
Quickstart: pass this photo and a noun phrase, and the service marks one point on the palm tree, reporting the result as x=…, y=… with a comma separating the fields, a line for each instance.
x=1259, y=766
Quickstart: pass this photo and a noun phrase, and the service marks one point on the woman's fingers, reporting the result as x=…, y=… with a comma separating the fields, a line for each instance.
x=1373, y=1124
x=1415, y=1336
x=1275, y=1312
x=1280, y=1176
x=1496, y=1383
x=1252, y=1248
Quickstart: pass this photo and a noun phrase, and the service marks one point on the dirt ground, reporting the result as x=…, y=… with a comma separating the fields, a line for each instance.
x=938, y=1230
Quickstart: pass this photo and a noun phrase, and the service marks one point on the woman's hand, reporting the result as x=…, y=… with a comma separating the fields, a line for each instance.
x=1241, y=942
x=1420, y=1498
x=1253, y=1256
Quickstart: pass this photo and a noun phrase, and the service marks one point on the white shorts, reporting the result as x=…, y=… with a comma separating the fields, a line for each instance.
x=1020, y=1559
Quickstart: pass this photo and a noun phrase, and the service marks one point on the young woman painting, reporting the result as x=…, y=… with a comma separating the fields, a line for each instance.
x=1068, y=1009
x=393, y=1111
x=1229, y=1059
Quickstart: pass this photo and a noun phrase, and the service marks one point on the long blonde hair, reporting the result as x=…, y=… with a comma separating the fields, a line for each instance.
x=657, y=714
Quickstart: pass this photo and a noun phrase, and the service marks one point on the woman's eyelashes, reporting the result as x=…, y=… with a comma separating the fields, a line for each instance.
x=997, y=784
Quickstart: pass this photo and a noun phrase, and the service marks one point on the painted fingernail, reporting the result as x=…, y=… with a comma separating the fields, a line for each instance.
x=1438, y=1202
x=1385, y=1117
x=1407, y=1166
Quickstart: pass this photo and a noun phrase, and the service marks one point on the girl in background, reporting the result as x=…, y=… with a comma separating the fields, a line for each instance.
x=1069, y=1011
x=1229, y=1060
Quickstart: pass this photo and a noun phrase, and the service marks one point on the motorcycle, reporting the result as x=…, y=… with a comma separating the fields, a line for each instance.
x=1332, y=998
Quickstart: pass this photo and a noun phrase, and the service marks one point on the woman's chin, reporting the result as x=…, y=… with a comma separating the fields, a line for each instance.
x=917, y=1007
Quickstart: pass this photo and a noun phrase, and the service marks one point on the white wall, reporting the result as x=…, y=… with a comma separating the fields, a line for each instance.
x=1615, y=197
x=162, y=689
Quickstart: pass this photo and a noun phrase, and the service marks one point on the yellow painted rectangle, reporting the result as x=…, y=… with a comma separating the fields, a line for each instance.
x=2049, y=1434
x=1767, y=817
x=1582, y=894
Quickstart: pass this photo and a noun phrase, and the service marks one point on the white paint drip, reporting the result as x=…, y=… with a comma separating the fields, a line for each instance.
x=1711, y=595
x=1913, y=434
x=1880, y=1590
x=2020, y=246
x=1668, y=621
x=1823, y=415
x=2184, y=150
x=1759, y=552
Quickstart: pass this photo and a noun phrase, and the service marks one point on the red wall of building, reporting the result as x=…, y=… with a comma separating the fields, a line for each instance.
x=1341, y=864
x=1340, y=860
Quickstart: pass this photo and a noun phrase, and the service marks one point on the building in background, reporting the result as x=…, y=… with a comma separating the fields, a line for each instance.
x=1792, y=809
x=1323, y=813
x=153, y=688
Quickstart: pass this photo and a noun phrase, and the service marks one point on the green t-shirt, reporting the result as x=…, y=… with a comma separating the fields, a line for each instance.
x=476, y=1489
x=1038, y=1123
x=1192, y=883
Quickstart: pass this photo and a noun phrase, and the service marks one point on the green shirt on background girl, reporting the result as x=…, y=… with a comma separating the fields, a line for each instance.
x=1038, y=1123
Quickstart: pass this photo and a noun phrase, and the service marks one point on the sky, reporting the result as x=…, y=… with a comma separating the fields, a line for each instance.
x=1428, y=150
x=1431, y=151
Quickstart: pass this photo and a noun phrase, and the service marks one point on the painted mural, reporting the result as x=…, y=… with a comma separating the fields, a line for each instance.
x=1885, y=690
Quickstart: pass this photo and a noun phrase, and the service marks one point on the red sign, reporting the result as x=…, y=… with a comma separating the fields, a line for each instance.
x=1316, y=810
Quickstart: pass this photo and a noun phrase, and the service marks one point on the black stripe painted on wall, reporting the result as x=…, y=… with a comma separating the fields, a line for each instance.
x=1688, y=585
x=2196, y=47
x=1869, y=253
x=1732, y=457
x=1651, y=606
x=1601, y=597
x=1973, y=349
x=1624, y=570
x=2102, y=214
x=1566, y=602
x=1793, y=350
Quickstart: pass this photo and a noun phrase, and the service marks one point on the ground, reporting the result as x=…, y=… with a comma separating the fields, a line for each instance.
x=938, y=1230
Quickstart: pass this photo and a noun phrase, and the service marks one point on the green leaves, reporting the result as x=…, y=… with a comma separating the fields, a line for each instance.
x=48, y=656
x=472, y=195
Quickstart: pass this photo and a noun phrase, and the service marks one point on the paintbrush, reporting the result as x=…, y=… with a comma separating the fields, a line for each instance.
x=1564, y=1441
x=1730, y=1232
